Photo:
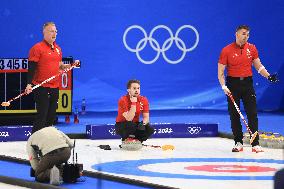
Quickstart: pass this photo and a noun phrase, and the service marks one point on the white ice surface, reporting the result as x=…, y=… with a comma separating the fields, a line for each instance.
x=89, y=154
x=9, y=186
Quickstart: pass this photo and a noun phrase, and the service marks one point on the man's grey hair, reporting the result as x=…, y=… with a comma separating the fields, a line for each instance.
x=47, y=24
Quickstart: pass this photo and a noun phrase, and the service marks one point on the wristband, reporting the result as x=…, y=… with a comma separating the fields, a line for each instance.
x=261, y=68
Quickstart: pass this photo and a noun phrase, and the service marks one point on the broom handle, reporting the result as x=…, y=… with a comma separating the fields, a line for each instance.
x=240, y=113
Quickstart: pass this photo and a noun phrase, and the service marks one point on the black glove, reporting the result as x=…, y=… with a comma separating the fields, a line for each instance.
x=273, y=78
x=141, y=126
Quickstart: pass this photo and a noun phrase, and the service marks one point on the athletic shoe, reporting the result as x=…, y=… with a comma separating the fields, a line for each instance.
x=54, y=176
x=257, y=149
x=238, y=147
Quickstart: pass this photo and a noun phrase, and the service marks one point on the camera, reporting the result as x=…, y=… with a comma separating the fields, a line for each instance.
x=71, y=172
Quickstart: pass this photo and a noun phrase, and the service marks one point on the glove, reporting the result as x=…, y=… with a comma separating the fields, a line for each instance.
x=141, y=126
x=273, y=78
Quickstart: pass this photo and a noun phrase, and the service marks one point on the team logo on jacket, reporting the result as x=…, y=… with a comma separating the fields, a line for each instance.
x=141, y=106
x=248, y=53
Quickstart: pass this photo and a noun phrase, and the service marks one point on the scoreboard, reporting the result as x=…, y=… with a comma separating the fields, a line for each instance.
x=13, y=81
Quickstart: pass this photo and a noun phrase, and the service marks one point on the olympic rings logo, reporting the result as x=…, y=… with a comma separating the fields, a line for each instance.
x=158, y=47
x=194, y=130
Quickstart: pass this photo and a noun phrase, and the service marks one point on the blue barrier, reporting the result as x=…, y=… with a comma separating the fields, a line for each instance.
x=162, y=130
x=107, y=131
x=15, y=133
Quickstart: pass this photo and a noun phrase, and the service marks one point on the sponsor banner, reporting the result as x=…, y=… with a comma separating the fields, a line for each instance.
x=101, y=132
x=15, y=133
x=162, y=130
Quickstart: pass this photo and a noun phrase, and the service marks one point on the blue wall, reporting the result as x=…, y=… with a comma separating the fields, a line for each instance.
x=92, y=31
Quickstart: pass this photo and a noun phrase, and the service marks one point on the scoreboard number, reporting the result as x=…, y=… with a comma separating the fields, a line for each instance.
x=64, y=101
x=65, y=93
x=13, y=64
x=64, y=80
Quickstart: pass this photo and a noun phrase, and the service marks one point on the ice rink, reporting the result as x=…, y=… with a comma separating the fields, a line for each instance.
x=198, y=163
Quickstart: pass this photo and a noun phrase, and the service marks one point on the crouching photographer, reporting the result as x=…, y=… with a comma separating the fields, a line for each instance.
x=48, y=148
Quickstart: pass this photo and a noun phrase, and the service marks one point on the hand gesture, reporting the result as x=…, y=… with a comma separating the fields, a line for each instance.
x=133, y=98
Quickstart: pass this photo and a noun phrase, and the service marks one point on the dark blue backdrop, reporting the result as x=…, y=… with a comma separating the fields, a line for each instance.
x=92, y=31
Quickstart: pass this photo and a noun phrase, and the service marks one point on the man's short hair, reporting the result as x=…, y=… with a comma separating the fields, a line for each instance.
x=47, y=24
x=246, y=27
x=132, y=81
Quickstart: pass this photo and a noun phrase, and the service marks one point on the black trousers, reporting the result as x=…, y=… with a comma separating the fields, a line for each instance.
x=242, y=89
x=124, y=129
x=46, y=104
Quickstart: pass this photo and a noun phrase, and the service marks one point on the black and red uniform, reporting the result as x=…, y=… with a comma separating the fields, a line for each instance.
x=125, y=128
x=44, y=62
x=238, y=61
